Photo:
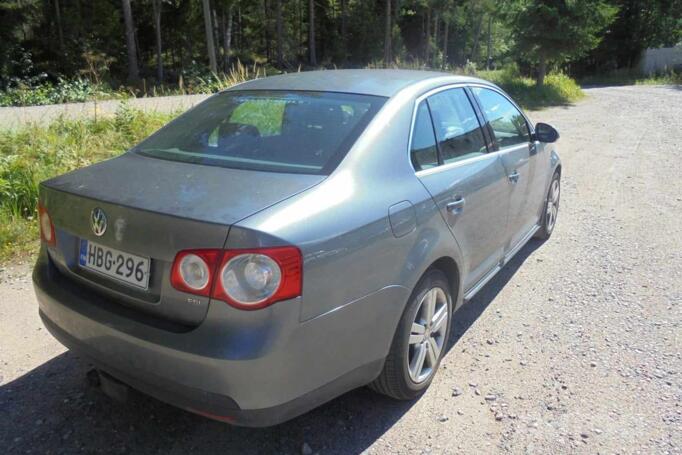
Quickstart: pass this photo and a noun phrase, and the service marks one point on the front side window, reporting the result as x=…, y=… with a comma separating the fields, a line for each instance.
x=423, y=151
x=458, y=132
x=508, y=124
x=279, y=131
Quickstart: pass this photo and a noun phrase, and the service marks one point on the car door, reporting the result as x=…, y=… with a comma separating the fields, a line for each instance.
x=468, y=184
x=518, y=153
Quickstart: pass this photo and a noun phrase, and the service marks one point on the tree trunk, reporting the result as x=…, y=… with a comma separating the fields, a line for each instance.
x=227, y=38
x=60, y=30
x=280, y=33
x=266, y=30
x=387, y=36
x=156, y=7
x=489, y=56
x=216, y=34
x=311, y=33
x=446, y=26
x=210, y=47
x=427, y=37
x=133, y=73
x=344, y=23
x=477, y=36
x=542, y=71
x=436, y=23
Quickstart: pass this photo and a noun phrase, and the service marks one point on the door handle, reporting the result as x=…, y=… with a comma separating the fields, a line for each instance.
x=514, y=177
x=532, y=148
x=455, y=207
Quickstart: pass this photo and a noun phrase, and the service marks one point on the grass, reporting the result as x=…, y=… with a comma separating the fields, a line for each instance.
x=630, y=77
x=558, y=89
x=34, y=153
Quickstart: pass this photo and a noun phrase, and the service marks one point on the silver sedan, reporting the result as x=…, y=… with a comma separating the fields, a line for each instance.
x=292, y=238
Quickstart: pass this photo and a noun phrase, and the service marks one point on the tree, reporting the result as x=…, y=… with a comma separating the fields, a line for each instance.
x=311, y=33
x=280, y=33
x=210, y=46
x=554, y=31
x=60, y=30
x=344, y=29
x=133, y=72
x=227, y=37
x=387, y=35
x=156, y=10
x=639, y=24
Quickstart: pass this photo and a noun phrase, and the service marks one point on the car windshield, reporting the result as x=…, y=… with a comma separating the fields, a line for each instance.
x=280, y=131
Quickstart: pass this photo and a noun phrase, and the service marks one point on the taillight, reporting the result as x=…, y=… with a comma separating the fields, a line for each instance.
x=47, y=234
x=193, y=271
x=252, y=279
x=246, y=279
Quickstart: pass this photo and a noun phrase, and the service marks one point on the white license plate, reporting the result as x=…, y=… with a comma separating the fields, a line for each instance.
x=113, y=263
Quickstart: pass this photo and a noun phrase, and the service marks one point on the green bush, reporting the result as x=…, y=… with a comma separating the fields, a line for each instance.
x=35, y=153
x=558, y=89
x=64, y=91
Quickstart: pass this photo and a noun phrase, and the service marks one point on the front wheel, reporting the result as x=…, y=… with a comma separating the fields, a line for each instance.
x=420, y=340
x=551, y=210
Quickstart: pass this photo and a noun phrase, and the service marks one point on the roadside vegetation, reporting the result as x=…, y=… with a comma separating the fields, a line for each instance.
x=558, y=88
x=629, y=77
x=35, y=153
x=39, y=91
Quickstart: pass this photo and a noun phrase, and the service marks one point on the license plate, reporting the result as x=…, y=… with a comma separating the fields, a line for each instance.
x=116, y=264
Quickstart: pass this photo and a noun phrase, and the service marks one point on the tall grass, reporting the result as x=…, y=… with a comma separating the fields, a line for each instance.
x=558, y=89
x=35, y=153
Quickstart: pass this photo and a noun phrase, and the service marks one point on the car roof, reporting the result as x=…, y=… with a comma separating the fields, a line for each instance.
x=378, y=82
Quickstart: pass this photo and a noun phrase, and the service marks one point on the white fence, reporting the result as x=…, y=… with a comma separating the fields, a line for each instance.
x=663, y=60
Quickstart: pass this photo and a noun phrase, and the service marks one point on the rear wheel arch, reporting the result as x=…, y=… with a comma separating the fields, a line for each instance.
x=448, y=266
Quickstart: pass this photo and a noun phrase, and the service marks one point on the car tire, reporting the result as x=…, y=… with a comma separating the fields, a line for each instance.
x=400, y=378
x=550, y=209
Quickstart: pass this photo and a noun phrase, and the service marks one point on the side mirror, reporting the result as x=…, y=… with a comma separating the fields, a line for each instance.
x=546, y=133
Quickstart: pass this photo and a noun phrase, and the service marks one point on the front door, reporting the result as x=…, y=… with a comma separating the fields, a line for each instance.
x=519, y=158
x=468, y=184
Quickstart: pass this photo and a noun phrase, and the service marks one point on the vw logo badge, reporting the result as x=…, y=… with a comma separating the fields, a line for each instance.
x=98, y=221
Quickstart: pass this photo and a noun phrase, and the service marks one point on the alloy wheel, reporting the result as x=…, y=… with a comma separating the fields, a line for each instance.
x=427, y=336
x=552, y=205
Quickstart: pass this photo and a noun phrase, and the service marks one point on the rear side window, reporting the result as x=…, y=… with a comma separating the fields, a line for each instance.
x=280, y=131
x=423, y=151
x=458, y=132
x=508, y=124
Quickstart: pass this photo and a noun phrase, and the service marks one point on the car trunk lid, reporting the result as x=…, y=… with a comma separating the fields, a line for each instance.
x=155, y=208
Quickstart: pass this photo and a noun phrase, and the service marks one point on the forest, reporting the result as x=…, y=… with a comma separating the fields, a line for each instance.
x=144, y=47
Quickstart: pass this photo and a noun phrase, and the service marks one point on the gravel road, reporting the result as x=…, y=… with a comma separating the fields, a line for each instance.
x=13, y=117
x=573, y=348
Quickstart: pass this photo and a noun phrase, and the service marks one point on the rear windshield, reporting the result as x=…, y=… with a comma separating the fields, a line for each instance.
x=296, y=132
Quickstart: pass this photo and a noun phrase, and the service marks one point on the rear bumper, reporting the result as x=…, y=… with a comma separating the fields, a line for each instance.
x=252, y=368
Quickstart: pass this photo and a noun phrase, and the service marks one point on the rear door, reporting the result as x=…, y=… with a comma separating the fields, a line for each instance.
x=512, y=138
x=450, y=154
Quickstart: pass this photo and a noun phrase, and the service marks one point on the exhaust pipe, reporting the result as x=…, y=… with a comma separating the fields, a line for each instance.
x=112, y=387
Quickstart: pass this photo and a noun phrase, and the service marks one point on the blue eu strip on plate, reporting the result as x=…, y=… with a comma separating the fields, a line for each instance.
x=83, y=256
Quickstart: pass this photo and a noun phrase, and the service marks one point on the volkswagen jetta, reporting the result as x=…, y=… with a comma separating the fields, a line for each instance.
x=294, y=237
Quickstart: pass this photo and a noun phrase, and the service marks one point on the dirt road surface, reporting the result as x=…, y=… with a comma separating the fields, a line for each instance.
x=575, y=347
x=13, y=117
